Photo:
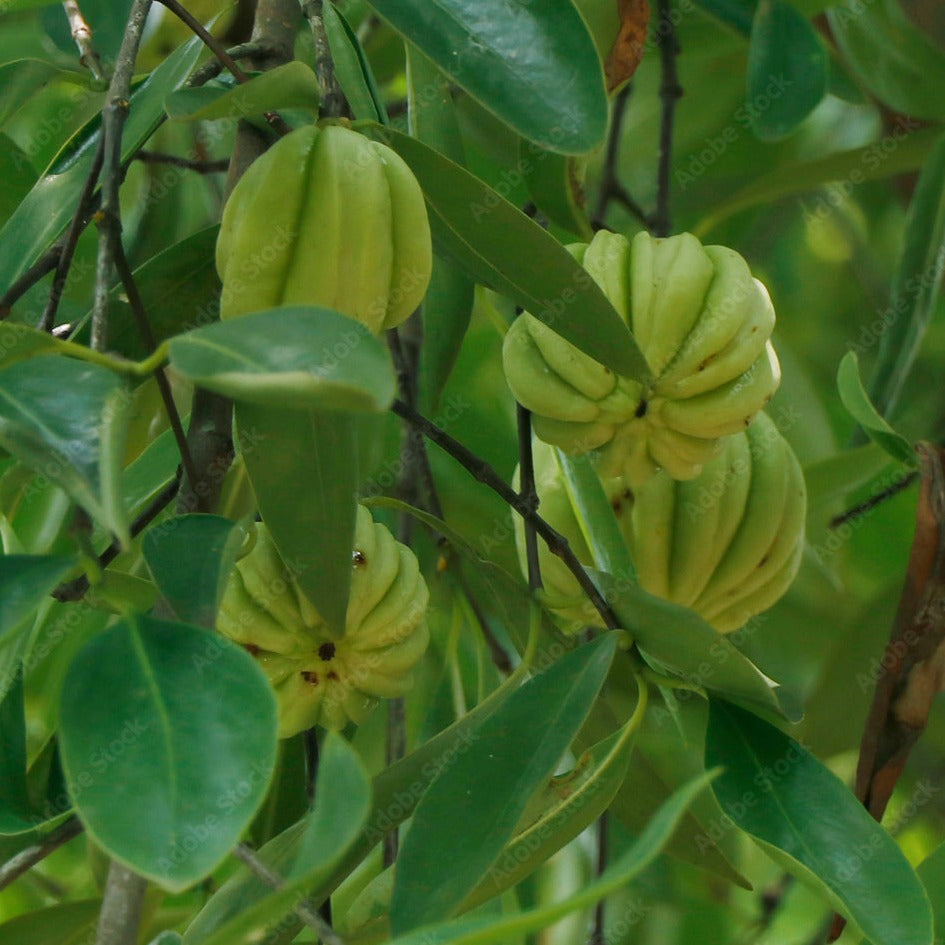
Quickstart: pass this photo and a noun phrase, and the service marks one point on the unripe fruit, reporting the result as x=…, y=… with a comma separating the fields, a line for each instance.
x=727, y=543
x=326, y=217
x=318, y=678
x=702, y=323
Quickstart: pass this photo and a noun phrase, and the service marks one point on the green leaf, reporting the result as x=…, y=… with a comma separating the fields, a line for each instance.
x=25, y=582
x=678, y=640
x=916, y=284
x=352, y=69
x=533, y=66
x=76, y=440
x=837, y=476
x=169, y=769
x=595, y=516
x=16, y=817
x=51, y=204
x=342, y=805
x=292, y=85
x=69, y=923
x=190, y=557
x=20, y=341
x=932, y=873
x=787, y=69
x=857, y=401
x=778, y=792
x=738, y=14
x=292, y=357
x=642, y=852
x=892, y=57
x=505, y=250
x=304, y=469
x=901, y=151
x=556, y=184
x=516, y=749
x=21, y=79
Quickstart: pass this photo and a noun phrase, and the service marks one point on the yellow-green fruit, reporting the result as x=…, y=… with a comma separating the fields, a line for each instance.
x=319, y=679
x=727, y=543
x=703, y=324
x=326, y=217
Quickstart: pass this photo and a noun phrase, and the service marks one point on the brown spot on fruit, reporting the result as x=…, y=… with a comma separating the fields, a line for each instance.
x=358, y=559
x=310, y=677
x=326, y=651
x=251, y=648
x=641, y=409
x=333, y=676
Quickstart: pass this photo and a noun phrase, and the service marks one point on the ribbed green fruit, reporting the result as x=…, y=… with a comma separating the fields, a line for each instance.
x=728, y=543
x=326, y=217
x=319, y=679
x=703, y=324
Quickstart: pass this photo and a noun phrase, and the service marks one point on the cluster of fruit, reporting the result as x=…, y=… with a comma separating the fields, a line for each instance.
x=709, y=495
x=327, y=217
x=320, y=678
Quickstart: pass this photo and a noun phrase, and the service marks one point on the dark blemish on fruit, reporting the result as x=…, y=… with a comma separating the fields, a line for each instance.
x=326, y=651
x=641, y=409
x=358, y=559
x=310, y=677
x=333, y=676
x=763, y=561
x=251, y=648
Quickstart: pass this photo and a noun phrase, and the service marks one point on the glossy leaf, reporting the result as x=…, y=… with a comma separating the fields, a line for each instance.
x=556, y=183
x=15, y=814
x=342, y=804
x=595, y=516
x=292, y=85
x=190, y=557
x=778, y=792
x=678, y=640
x=21, y=79
x=161, y=776
x=505, y=250
x=514, y=751
x=292, y=357
x=68, y=923
x=77, y=441
x=642, y=852
x=916, y=284
x=858, y=405
x=787, y=69
x=900, y=65
x=352, y=69
x=304, y=469
x=534, y=66
x=25, y=582
x=51, y=204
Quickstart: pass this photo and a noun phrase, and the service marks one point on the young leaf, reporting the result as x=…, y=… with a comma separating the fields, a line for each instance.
x=67, y=419
x=169, y=769
x=190, y=557
x=548, y=85
x=858, y=405
x=292, y=85
x=292, y=358
x=352, y=68
x=778, y=792
x=25, y=582
x=505, y=250
x=475, y=803
x=916, y=284
x=304, y=469
x=787, y=69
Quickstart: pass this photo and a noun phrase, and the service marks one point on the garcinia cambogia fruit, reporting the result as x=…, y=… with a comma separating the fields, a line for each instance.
x=703, y=324
x=326, y=217
x=318, y=678
x=728, y=543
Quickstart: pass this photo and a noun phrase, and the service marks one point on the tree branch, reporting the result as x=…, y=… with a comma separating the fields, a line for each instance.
x=869, y=504
x=529, y=494
x=333, y=103
x=83, y=40
x=122, y=906
x=484, y=473
x=26, y=859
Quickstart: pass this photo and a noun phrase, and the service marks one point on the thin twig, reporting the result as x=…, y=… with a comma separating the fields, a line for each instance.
x=333, y=101
x=611, y=187
x=114, y=116
x=201, y=167
x=670, y=93
x=76, y=589
x=26, y=859
x=327, y=935
x=869, y=504
x=396, y=749
x=597, y=935
x=80, y=221
x=210, y=70
x=147, y=335
x=529, y=494
x=122, y=906
x=484, y=473
x=39, y=270
x=82, y=35
x=276, y=121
